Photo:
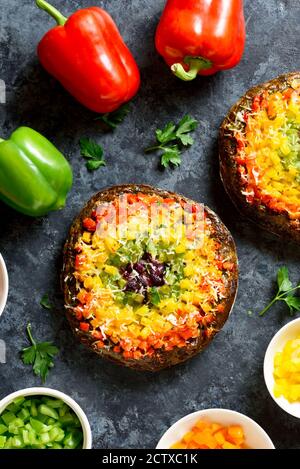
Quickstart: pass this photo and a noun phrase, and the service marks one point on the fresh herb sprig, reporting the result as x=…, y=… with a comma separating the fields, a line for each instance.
x=173, y=139
x=45, y=302
x=115, y=118
x=39, y=355
x=286, y=292
x=93, y=152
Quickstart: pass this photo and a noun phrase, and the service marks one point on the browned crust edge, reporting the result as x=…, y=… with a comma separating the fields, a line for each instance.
x=160, y=359
x=277, y=223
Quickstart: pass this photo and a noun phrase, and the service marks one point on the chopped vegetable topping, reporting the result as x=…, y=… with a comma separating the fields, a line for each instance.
x=39, y=422
x=207, y=435
x=149, y=275
x=144, y=274
x=268, y=150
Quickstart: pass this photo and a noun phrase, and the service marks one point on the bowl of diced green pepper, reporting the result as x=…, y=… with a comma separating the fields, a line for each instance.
x=43, y=418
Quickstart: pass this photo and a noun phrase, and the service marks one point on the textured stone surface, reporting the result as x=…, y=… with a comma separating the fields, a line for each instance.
x=125, y=408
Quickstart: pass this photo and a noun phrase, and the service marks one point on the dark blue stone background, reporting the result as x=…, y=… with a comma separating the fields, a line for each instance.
x=125, y=408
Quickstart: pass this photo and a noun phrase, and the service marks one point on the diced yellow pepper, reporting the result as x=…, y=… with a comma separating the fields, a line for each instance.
x=111, y=270
x=111, y=244
x=86, y=237
x=186, y=284
x=143, y=310
x=180, y=249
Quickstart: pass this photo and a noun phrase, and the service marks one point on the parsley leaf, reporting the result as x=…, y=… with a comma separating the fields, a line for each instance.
x=167, y=134
x=284, y=283
x=185, y=126
x=39, y=355
x=45, y=302
x=186, y=140
x=293, y=303
x=171, y=155
x=113, y=119
x=285, y=292
x=92, y=152
x=92, y=165
x=172, y=139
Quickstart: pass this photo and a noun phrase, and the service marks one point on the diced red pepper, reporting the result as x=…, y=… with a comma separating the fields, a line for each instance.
x=186, y=334
x=97, y=335
x=256, y=103
x=89, y=224
x=288, y=93
x=137, y=354
x=168, y=201
x=79, y=261
x=78, y=314
x=100, y=344
x=132, y=198
x=84, y=326
x=228, y=266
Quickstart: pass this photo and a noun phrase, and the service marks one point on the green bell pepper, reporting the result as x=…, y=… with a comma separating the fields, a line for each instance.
x=35, y=177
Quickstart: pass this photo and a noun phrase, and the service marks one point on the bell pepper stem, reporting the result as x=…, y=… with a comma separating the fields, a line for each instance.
x=195, y=63
x=59, y=18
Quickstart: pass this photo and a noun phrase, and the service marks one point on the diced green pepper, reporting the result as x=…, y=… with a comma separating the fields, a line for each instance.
x=3, y=428
x=45, y=410
x=25, y=436
x=50, y=421
x=19, y=401
x=45, y=438
x=33, y=409
x=38, y=426
x=56, y=434
x=72, y=440
x=15, y=425
x=66, y=419
x=24, y=414
x=55, y=403
x=63, y=410
x=12, y=408
x=42, y=418
x=17, y=442
x=2, y=441
x=56, y=446
x=8, y=417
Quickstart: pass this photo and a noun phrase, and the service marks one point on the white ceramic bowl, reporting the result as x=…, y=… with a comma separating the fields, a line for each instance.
x=256, y=437
x=39, y=391
x=3, y=284
x=289, y=331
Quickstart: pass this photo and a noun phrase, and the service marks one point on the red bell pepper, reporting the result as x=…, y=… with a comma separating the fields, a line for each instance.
x=201, y=36
x=88, y=56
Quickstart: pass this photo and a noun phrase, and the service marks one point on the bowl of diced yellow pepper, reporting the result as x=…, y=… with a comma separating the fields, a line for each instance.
x=215, y=429
x=282, y=368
